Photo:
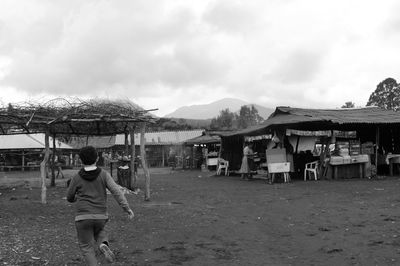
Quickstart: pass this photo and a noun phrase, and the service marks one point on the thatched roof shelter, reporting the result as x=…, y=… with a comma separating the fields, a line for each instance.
x=75, y=117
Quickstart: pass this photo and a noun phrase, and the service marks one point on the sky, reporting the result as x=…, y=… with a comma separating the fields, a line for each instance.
x=166, y=54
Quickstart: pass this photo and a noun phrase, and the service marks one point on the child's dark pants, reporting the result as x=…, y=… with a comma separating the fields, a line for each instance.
x=90, y=232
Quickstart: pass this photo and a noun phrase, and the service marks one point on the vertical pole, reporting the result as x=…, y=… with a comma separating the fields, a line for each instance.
x=194, y=157
x=133, y=157
x=297, y=144
x=163, y=155
x=126, y=142
x=53, y=158
x=23, y=160
x=144, y=165
x=43, y=167
x=376, y=146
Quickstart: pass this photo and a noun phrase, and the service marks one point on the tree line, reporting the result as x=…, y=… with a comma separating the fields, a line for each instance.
x=386, y=96
x=226, y=120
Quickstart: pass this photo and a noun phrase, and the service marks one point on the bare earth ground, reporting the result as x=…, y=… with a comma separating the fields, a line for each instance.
x=194, y=218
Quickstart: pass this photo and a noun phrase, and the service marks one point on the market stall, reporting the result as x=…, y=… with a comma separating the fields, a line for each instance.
x=205, y=151
x=348, y=142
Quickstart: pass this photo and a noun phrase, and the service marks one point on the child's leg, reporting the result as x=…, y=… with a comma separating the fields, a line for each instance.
x=100, y=233
x=84, y=229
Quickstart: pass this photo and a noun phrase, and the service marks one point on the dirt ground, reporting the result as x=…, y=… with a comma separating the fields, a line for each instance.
x=195, y=218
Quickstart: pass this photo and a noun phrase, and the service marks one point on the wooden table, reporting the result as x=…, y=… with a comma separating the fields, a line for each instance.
x=336, y=165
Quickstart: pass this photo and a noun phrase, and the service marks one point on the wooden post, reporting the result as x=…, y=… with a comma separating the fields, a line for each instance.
x=126, y=143
x=297, y=144
x=163, y=156
x=43, y=171
x=376, y=146
x=23, y=160
x=53, y=159
x=133, y=157
x=143, y=159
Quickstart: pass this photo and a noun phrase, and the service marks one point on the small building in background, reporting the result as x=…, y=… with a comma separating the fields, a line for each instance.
x=158, y=145
x=25, y=151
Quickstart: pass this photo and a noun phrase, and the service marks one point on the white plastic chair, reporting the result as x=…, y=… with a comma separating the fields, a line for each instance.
x=223, y=165
x=311, y=167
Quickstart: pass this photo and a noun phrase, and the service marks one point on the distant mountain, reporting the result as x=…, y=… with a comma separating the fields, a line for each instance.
x=264, y=112
x=211, y=110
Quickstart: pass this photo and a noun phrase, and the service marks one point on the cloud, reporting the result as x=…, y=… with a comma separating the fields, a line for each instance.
x=230, y=16
x=108, y=46
x=175, y=52
x=300, y=66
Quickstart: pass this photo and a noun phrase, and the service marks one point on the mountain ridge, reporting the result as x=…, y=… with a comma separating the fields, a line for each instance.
x=211, y=110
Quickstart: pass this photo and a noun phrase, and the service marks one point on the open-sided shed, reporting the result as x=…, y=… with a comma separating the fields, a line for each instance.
x=204, y=149
x=76, y=117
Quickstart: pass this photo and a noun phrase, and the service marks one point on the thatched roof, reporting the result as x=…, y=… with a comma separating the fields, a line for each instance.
x=75, y=117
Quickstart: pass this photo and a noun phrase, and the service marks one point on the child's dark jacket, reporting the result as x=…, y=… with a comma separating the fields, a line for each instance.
x=89, y=190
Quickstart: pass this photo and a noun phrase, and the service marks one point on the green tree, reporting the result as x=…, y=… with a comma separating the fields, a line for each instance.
x=348, y=105
x=10, y=108
x=386, y=95
x=224, y=121
x=169, y=124
x=248, y=116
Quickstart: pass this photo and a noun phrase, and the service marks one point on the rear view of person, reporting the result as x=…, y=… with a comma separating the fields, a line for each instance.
x=89, y=190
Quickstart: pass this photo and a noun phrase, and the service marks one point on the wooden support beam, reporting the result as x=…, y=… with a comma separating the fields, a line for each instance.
x=23, y=160
x=133, y=157
x=144, y=164
x=377, y=133
x=134, y=120
x=163, y=156
x=53, y=159
x=297, y=145
x=126, y=142
x=43, y=168
x=2, y=129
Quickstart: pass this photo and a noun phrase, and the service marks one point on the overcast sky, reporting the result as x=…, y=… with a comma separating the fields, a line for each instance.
x=171, y=53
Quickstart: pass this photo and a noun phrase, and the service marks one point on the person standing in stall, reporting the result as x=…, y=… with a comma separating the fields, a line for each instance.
x=247, y=162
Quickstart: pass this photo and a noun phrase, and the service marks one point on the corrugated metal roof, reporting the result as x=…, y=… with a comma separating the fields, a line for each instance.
x=162, y=137
x=205, y=139
x=288, y=116
x=28, y=141
x=367, y=115
x=99, y=142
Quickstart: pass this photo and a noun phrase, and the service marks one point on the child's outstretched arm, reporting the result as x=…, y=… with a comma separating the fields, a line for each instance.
x=71, y=192
x=118, y=195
